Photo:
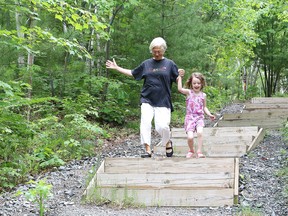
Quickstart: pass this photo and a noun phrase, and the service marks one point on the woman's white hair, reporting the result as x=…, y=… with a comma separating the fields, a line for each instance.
x=158, y=42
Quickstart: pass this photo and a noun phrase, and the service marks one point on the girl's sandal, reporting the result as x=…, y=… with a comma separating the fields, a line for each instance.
x=190, y=154
x=200, y=155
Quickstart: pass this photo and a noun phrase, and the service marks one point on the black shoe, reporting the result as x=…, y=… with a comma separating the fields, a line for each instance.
x=169, y=153
x=146, y=155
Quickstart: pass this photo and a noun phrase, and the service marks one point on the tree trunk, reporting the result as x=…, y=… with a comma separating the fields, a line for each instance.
x=20, y=34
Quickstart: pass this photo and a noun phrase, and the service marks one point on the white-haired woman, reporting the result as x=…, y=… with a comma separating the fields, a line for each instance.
x=158, y=73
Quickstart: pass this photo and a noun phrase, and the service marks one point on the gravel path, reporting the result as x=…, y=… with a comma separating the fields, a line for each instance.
x=260, y=190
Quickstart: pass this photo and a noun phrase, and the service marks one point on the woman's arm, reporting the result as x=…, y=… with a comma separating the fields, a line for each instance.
x=113, y=65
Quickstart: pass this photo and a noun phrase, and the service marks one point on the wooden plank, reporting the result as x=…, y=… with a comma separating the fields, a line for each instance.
x=256, y=111
x=167, y=180
x=253, y=106
x=171, y=197
x=278, y=114
x=101, y=168
x=257, y=140
x=208, y=140
x=215, y=150
x=167, y=165
x=273, y=100
x=92, y=184
x=219, y=131
x=262, y=123
x=236, y=181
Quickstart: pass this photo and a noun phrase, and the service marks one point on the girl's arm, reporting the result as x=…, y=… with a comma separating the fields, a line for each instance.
x=206, y=110
x=180, y=87
x=113, y=65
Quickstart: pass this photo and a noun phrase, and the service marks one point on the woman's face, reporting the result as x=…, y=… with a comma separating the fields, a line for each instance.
x=157, y=53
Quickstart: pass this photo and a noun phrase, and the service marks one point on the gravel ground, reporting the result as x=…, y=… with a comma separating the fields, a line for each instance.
x=259, y=188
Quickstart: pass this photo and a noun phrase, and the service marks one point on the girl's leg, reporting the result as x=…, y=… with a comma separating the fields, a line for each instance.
x=200, y=141
x=162, y=120
x=147, y=113
x=190, y=137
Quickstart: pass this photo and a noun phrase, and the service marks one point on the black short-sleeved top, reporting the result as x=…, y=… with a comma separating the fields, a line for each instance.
x=158, y=77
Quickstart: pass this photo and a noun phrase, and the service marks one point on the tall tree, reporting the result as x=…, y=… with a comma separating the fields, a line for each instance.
x=271, y=48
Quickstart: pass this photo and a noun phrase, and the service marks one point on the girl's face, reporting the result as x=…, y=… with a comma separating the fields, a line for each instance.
x=196, y=84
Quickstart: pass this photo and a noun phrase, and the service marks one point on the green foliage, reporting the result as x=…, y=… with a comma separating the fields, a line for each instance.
x=216, y=98
x=112, y=100
x=8, y=176
x=252, y=91
x=40, y=192
x=57, y=132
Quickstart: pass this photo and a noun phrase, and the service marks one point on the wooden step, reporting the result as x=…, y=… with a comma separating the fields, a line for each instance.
x=270, y=100
x=264, y=119
x=231, y=150
x=228, y=147
x=265, y=114
x=253, y=106
x=265, y=123
x=219, y=131
x=167, y=181
x=256, y=111
x=218, y=141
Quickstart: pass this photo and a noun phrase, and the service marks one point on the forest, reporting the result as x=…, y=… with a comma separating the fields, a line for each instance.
x=58, y=102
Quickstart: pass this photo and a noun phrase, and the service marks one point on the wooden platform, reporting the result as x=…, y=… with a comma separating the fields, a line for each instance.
x=167, y=182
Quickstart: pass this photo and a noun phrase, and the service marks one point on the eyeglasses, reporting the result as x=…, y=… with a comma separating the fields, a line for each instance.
x=157, y=51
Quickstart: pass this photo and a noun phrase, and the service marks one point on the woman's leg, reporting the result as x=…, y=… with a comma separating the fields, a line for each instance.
x=147, y=113
x=162, y=120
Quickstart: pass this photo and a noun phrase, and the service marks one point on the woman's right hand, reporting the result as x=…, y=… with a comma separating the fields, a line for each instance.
x=111, y=64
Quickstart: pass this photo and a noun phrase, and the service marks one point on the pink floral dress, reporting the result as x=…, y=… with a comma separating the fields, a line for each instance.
x=194, y=111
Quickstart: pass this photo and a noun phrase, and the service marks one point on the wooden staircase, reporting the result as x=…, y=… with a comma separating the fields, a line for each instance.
x=167, y=181
x=177, y=181
x=262, y=112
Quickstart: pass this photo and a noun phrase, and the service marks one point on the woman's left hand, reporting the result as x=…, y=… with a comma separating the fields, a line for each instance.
x=181, y=72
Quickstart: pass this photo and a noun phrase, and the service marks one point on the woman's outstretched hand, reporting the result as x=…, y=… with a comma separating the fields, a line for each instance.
x=111, y=64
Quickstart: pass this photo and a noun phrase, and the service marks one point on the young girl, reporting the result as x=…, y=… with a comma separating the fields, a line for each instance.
x=195, y=109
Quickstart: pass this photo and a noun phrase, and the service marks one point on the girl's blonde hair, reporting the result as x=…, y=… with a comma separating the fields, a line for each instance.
x=197, y=75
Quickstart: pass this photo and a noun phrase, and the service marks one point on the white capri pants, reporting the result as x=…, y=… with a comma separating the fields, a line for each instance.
x=162, y=118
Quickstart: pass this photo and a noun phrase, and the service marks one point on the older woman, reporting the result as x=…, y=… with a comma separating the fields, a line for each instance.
x=158, y=73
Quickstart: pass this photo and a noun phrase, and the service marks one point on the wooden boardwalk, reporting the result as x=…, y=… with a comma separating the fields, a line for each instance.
x=177, y=181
